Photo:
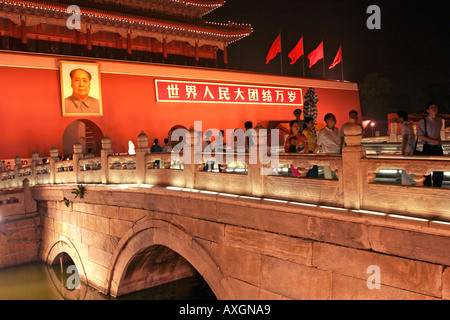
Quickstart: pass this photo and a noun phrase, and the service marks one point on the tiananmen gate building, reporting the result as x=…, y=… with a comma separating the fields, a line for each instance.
x=152, y=66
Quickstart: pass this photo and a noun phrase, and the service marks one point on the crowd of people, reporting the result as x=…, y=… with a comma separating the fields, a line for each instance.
x=331, y=140
x=303, y=138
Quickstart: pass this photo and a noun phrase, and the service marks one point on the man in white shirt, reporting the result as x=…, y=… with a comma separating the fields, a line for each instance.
x=329, y=138
x=430, y=134
x=167, y=147
x=329, y=141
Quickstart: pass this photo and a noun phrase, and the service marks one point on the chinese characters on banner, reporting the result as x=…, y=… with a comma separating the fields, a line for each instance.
x=203, y=92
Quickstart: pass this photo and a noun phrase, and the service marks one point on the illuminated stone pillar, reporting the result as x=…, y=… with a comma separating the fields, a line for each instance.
x=77, y=155
x=104, y=153
x=255, y=166
x=192, y=154
x=17, y=166
x=54, y=153
x=393, y=135
x=141, y=152
x=34, y=162
x=351, y=175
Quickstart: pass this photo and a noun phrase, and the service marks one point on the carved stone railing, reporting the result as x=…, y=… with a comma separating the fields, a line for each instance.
x=353, y=185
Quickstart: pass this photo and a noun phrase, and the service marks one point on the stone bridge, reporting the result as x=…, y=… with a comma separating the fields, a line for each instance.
x=249, y=234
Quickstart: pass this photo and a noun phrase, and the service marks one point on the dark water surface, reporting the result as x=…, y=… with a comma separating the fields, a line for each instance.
x=39, y=281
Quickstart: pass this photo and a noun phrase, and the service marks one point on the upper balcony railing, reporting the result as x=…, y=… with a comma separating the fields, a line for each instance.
x=348, y=180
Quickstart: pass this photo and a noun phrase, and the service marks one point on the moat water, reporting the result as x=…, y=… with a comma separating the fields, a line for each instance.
x=39, y=281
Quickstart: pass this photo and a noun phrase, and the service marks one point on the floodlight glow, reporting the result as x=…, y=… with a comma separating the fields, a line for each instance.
x=228, y=195
x=406, y=217
x=370, y=212
x=208, y=192
x=174, y=188
x=303, y=204
x=247, y=197
x=131, y=148
x=333, y=208
x=275, y=200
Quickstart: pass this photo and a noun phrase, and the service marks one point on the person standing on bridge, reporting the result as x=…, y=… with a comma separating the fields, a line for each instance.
x=296, y=143
x=329, y=138
x=298, y=114
x=329, y=141
x=408, y=144
x=429, y=132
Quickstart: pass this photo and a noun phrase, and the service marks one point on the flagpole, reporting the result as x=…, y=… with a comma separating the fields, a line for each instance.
x=323, y=61
x=303, y=65
x=281, y=55
x=342, y=64
x=303, y=55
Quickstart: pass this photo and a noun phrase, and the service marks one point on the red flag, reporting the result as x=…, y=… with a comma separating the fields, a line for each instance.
x=274, y=49
x=337, y=59
x=316, y=55
x=297, y=52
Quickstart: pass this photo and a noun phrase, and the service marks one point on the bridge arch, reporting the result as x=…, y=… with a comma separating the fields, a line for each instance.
x=154, y=232
x=64, y=245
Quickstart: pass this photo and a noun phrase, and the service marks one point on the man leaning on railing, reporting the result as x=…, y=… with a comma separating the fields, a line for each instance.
x=429, y=132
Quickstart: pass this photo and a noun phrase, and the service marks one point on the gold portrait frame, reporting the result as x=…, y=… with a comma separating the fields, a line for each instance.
x=70, y=104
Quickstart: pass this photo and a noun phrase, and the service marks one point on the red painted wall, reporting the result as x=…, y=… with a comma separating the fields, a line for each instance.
x=31, y=118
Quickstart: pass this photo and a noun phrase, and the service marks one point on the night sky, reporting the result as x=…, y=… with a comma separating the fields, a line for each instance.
x=411, y=49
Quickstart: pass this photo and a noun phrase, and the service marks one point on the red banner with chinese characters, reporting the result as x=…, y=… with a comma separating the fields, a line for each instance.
x=208, y=92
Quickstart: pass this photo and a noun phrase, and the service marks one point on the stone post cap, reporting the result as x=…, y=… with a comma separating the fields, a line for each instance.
x=77, y=148
x=35, y=156
x=142, y=140
x=194, y=136
x=258, y=128
x=353, y=133
x=106, y=142
x=25, y=183
x=54, y=152
x=17, y=160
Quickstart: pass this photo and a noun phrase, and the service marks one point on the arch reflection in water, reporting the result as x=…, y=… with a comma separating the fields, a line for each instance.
x=39, y=281
x=65, y=278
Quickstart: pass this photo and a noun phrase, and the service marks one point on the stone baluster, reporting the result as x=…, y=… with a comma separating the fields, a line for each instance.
x=141, y=152
x=34, y=162
x=254, y=166
x=393, y=135
x=192, y=155
x=352, y=154
x=54, y=153
x=17, y=166
x=105, y=152
x=77, y=155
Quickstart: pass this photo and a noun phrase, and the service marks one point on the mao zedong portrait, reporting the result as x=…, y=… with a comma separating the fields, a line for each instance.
x=80, y=101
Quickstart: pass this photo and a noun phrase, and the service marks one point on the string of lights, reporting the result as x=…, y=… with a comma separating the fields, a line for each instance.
x=230, y=32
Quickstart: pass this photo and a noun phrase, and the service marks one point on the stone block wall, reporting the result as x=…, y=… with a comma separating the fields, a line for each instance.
x=20, y=232
x=250, y=248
